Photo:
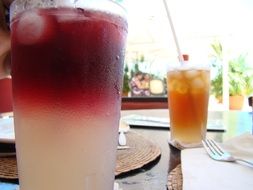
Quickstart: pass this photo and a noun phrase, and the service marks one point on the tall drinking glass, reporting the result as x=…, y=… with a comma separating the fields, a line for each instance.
x=188, y=95
x=67, y=66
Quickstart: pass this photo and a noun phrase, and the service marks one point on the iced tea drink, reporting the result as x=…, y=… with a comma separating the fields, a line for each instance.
x=188, y=94
x=67, y=66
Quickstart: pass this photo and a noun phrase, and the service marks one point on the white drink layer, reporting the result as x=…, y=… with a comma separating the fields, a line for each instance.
x=63, y=154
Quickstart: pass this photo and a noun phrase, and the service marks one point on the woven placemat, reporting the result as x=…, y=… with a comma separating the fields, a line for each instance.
x=175, y=179
x=8, y=168
x=140, y=153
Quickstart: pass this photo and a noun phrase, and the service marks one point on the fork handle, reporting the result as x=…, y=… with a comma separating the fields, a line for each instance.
x=241, y=160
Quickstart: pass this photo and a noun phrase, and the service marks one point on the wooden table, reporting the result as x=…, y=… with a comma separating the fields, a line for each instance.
x=154, y=176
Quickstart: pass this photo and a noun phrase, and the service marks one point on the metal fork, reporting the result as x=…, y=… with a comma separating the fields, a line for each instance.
x=217, y=153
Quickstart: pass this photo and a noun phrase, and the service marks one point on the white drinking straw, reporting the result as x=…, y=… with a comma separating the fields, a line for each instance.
x=180, y=56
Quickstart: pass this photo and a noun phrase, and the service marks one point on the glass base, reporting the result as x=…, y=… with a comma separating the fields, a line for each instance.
x=180, y=145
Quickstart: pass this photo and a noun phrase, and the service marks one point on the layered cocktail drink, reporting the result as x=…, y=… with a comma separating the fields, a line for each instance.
x=67, y=66
x=188, y=94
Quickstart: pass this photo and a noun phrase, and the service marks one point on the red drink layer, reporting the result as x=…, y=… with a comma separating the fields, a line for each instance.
x=67, y=58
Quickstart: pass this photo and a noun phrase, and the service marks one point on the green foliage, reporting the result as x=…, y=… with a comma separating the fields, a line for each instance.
x=239, y=73
x=217, y=48
x=240, y=77
x=249, y=84
x=216, y=83
x=126, y=79
x=137, y=60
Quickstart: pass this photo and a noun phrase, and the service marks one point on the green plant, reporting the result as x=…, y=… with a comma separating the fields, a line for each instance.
x=240, y=76
x=239, y=73
x=126, y=79
x=217, y=48
x=216, y=85
x=136, y=60
x=249, y=84
x=217, y=81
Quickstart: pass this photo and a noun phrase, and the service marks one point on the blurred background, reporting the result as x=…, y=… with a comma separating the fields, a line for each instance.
x=213, y=32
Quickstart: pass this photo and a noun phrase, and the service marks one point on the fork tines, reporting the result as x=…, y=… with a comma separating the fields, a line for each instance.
x=217, y=153
x=212, y=147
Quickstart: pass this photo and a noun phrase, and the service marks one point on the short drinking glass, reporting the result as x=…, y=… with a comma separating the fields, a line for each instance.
x=188, y=95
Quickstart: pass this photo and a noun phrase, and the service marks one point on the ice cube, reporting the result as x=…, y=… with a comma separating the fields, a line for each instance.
x=172, y=84
x=197, y=83
x=182, y=88
x=178, y=86
x=191, y=74
x=35, y=28
x=175, y=74
x=205, y=77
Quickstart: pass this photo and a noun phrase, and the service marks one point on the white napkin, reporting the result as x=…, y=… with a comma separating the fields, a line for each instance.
x=201, y=172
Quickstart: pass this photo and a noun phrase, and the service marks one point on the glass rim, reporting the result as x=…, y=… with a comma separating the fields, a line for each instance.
x=188, y=66
x=18, y=6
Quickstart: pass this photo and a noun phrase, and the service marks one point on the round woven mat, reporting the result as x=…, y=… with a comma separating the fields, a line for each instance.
x=140, y=153
x=175, y=179
x=8, y=168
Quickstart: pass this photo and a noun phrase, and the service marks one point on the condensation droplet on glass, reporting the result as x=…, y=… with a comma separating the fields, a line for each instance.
x=116, y=87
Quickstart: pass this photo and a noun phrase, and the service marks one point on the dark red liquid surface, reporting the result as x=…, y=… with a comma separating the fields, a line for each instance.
x=73, y=59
